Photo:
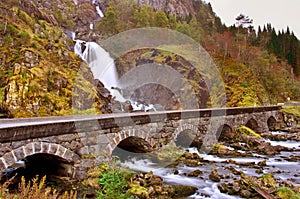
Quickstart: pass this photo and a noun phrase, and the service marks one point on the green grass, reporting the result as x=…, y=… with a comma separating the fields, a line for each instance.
x=247, y=131
x=114, y=183
x=287, y=193
x=293, y=110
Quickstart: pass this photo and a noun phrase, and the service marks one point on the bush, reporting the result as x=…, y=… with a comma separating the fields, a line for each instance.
x=24, y=35
x=287, y=193
x=12, y=30
x=32, y=190
x=114, y=183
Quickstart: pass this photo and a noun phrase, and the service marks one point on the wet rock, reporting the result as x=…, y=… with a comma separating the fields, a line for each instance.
x=127, y=106
x=227, y=135
x=234, y=170
x=262, y=163
x=215, y=176
x=246, y=194
x=222, y=151
x=195, y=173
x=139, y=191
x=234, y=188
x=223, y=187
x=189, y=159
x=31, y=59
x=183, y=190
x=101, y=90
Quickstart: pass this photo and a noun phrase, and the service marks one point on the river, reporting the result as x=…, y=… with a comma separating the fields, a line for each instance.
x=282, y=165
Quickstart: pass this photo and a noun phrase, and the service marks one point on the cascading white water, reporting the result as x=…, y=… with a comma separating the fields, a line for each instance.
x=100, y=13
x=103, y=68
x=101, y=64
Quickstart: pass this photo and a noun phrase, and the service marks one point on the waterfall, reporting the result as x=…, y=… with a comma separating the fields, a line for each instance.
x=101, y=64
x=78, y=47
x=100, y=13
x=73, y=36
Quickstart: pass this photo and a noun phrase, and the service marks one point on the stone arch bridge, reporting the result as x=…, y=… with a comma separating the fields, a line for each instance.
x=75, y=139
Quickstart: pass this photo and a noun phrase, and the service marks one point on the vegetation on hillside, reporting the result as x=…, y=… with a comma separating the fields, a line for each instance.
x=39, y=73
x=254, y=72
x=37, y=67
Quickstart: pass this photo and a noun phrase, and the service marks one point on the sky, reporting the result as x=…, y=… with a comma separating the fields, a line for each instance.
x=280, y=13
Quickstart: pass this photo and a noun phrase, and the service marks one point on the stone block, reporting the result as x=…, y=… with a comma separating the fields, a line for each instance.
x=37, y=146
x=66, y=138
x=52, y=148
x=9, y=159
x=19, y=153
x=2, y=165
x=102, y=139
x=44, y=147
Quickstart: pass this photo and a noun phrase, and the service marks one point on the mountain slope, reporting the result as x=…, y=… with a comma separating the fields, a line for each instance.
x=39, y=69
x=40, y=75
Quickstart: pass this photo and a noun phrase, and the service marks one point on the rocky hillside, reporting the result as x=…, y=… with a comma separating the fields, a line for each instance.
x=40, y=75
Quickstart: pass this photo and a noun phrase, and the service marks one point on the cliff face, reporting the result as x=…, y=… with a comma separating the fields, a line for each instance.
x=70, y=15
x=40, y=75
x=182, y=94
x=181, y=8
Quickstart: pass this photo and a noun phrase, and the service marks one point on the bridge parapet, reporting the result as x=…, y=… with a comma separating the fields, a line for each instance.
x=29, y=128
x=102, y=133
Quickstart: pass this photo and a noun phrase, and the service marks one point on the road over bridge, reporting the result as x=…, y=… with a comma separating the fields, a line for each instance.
x=75, y=139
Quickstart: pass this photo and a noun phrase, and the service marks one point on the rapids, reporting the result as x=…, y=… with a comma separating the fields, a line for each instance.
x=280, y=165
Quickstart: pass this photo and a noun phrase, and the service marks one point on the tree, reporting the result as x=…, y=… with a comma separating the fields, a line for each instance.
x=142, y=17
x=172, y=21
x=226, y=43
x=161, y=19
x=243, y=21
x=184, y=28
x=109, y=23
x=196, y=30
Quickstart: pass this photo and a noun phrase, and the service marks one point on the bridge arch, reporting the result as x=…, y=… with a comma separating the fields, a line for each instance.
x=39, y=148
x=252, y=124
x=224, y=132
x=271, y=122
x=185, y=135
x=128, y=134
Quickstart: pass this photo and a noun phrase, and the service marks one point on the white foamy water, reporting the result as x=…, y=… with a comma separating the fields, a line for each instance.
x=103, y=68
x=99, y=11
x=206, y=188
x=236, y=159
x=101, y=64
x=279, y=133
x=211, y=192
x=289, y=144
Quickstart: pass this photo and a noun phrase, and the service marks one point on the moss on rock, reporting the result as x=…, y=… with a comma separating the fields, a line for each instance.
x=243, y=130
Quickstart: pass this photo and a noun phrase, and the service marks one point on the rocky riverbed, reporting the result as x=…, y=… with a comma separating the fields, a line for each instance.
x=249, y=166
